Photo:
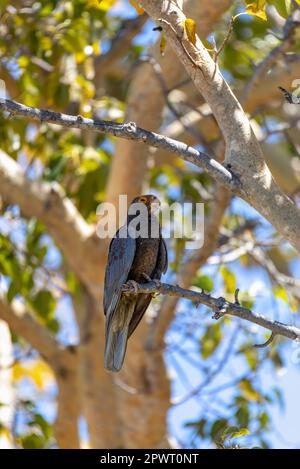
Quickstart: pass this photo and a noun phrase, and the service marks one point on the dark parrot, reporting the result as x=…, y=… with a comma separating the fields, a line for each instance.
x=134, y=258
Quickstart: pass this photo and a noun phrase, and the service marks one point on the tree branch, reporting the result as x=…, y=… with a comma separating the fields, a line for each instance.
x=128, y=131
x=68, y=410
x=265, y=65
x=220, y=306
x=24, y=324
x=243, y=153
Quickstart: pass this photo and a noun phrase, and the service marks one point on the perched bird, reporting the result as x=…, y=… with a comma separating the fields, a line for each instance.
x=139, y=256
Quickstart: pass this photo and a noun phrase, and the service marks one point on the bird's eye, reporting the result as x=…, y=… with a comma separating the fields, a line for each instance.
x=143, y=200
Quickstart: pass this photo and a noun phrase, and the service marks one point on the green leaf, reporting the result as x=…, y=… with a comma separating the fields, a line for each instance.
x=217, y=429
x=211, y=339
x=12, y=292
x=276, y=358
x=281, y=293
x=42, y=423
x=229, y=279
x=249, y=392
x=190, y=30
x=53, y=324
x=234, y=432
x=33, y=441
x=137, y=7
x=257, y=8
x=242, y=415
x=251, y=355
x=104, y=5
x=56, y=168
x=240, y=433
x=44, y=304
x=72, y=282
x=263, y=420
x=247, y=303
x=162, y=44
x=205, y=282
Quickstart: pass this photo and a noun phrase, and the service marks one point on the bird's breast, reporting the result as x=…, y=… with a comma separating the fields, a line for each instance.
x=145, y=258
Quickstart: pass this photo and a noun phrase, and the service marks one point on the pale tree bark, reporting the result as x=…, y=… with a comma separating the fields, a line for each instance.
x=98, y=394
x=61, y=360
x=68, y=408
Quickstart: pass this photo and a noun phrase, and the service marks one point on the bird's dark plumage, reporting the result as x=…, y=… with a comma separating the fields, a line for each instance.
x=130, y=258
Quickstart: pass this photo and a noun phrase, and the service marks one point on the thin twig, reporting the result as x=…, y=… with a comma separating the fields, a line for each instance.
x=225, y=40
x=265, y=344
x=265, y=65
x=290, y=97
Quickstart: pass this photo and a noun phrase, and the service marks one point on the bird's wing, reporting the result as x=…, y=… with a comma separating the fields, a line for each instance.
x=119, y=262
x=162, y=261
x=164, y=256
x=141, y=305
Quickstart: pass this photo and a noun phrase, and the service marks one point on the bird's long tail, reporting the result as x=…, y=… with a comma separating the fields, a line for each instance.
x=115, y=349
x=117, y=327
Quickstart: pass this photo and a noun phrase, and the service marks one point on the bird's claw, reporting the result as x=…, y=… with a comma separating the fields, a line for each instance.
x=157, y=282
x=131, y=287
x=154, y=280
x=157, y=285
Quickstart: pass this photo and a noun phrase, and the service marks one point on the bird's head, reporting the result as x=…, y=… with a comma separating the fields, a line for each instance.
x=151, y=201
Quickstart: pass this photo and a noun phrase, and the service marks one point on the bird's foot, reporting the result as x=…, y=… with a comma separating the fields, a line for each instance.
x=131, y=287
x=157, y=282
x=157, y=285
